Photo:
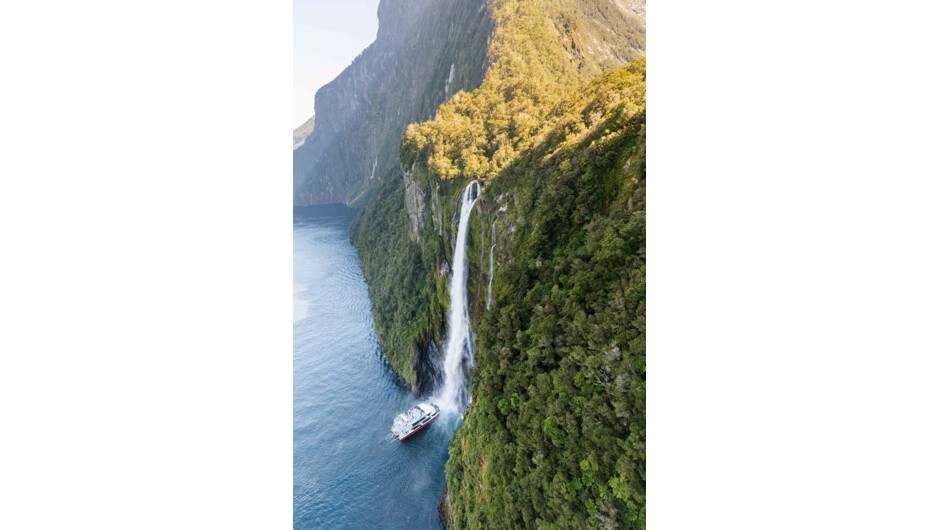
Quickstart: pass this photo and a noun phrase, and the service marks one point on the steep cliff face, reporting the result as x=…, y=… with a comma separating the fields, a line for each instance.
x=425, y=51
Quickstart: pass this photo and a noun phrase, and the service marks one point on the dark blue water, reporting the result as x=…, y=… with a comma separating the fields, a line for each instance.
x=349, y=470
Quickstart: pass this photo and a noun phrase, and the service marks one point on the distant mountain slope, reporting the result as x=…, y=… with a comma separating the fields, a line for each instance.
x=301, y=133
x=425, y=51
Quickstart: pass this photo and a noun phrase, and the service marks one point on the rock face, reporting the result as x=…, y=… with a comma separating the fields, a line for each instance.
x=425, y=51
x=414, y=204
x=303, y=132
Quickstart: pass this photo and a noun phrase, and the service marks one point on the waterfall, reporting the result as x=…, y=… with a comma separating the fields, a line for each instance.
x=489, y=284
x=458, y=353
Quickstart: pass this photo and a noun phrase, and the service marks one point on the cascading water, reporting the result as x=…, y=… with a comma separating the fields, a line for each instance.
x=458, y=354
x=489, y=284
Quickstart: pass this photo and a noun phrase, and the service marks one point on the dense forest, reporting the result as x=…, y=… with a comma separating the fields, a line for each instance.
x=555, y=134
x=555, y=435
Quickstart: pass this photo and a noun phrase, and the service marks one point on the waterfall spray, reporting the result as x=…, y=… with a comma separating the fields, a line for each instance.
x=458, y=354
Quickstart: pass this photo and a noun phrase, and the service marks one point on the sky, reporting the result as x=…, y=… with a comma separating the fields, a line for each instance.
x=328, y=35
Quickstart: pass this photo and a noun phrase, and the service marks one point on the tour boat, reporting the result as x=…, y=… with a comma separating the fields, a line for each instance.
x=415, y=419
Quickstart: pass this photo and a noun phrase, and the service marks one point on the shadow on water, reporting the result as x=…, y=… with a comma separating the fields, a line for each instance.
x=349, y=470
x=324, y=210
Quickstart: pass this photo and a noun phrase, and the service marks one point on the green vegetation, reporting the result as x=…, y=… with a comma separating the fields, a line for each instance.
x=393, y=267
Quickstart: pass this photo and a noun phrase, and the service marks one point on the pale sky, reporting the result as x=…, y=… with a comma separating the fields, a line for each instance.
x=328, y=35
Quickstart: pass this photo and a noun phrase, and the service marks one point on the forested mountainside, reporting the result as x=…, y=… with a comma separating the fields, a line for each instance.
x=425, y=51
x=405, y=233
x=554, y=131
x=555, y=434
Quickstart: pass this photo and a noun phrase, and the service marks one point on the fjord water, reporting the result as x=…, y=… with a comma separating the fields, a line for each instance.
x=349, y=470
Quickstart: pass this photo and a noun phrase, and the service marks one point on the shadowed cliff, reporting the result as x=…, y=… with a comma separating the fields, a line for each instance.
x=425, y=51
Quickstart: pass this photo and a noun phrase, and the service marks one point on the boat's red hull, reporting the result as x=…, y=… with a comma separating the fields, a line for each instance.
x=412, y=433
